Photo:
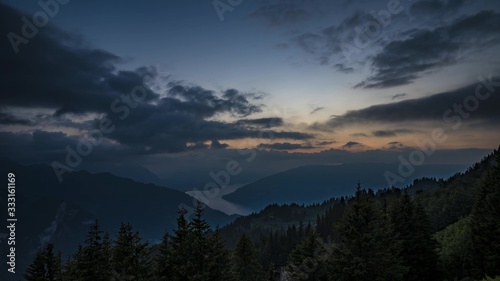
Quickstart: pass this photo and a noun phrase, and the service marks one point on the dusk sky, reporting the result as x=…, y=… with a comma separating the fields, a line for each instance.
x=301, y=81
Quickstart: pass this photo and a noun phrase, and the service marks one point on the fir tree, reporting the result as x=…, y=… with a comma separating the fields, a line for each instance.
x=36, y=271
x=485, y=226
x=46, y=265
x=218, y=261
x=52, y=263
x=246, y=266
x=72, y=270
x=199, y=248
x=94, y=261
x=418, y=247
x=367, y=250
x=180, y=258
x=130, y=256
x=163, y=269
x=308, y=260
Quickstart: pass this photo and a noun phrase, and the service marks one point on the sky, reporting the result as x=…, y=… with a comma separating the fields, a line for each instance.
x=180, y=87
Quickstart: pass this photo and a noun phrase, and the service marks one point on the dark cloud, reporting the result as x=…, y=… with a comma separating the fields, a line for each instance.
x=329, y=41
x=395, y=145
x=398, y=96
x=8, y=119
x=53, y=70
x=217, y=145
x=359, y=135
x=321, y=143
x=284, y=146
x=169, y=127
x=316, y=109
x=390, y=133
x=403, y=61
x=351, y=144
x=343, y=68
x=262, y=122
x=205, y=103
x=56, y=72
x=429, y=108
x=383, y=133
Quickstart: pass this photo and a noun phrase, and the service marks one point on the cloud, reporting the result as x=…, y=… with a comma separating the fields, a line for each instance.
x=162, y=128
x=391, y=133
x=343, y=68
x=394, y=145
x=431, y=108
x=58, y=74
x=262, y=122
x=206, y=103
x=352, y=144
x=54, y=70
x=329, y=41
x=404, y=60
x=359, y=135
x=398, y=96
x=383, y=133
x=284, y=146
x=322, y=143
x=316, y=109
x=217, y=145
x=8, y=119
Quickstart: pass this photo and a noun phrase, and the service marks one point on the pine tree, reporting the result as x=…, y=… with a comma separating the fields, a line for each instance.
x=308, y=260
x=93, y=262
x=180, y=249
x=193, y=252
x=36, y=271
x=418, y=247
x=46, y=265
x=246, y=266
x=163, y=261
x=485, y=226
x=198, y=233
x=130, y=256
x=53, y=263
x=218, y=259
x=367, y=250
x=72, y=270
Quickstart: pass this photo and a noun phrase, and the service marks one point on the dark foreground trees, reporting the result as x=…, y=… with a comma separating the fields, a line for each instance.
x=367, y=250
x=46, y=266
x=485, y=226
x=417, y=245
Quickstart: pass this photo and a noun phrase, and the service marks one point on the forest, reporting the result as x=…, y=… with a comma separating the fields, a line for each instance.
x=448, y=233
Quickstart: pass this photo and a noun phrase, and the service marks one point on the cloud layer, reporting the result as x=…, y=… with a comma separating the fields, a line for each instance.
x=68, y=85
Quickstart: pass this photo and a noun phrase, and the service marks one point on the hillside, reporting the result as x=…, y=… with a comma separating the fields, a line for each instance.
x=312, y=184
x=445, y=202
x=49, y=211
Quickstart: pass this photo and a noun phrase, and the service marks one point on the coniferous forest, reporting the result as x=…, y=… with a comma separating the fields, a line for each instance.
x=452, y=233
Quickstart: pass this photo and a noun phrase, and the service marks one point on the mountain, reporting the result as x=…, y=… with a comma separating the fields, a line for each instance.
x=446, y=201
x=311, y=184
x=48, y=210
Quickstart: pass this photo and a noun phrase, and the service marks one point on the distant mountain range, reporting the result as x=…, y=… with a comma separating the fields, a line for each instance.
x=48, y=210
x=446, y=201
x=311, y=184
x=60, y=212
